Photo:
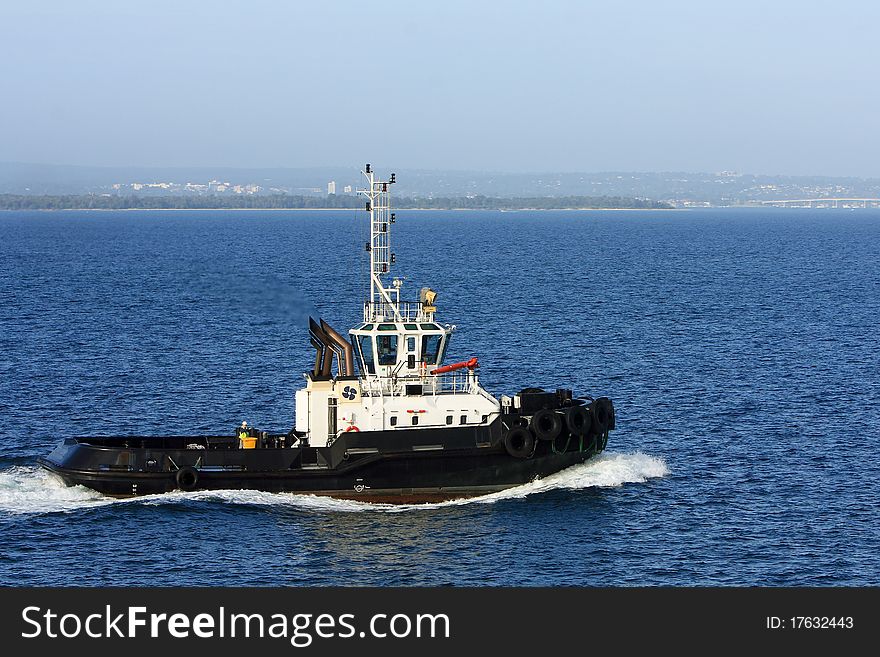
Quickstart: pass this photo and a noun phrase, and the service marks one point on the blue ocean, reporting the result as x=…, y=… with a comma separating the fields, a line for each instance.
x=740, y=347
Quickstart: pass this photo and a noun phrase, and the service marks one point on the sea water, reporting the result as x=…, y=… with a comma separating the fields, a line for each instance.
x=739, y=346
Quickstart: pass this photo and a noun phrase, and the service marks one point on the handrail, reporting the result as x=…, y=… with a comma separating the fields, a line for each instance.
x=402, y=311
x=458, y=382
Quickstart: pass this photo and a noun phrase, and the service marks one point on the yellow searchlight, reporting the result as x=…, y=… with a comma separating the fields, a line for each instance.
x=427, y=296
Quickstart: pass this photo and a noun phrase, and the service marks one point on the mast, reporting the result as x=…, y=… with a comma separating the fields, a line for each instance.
x=383, y=302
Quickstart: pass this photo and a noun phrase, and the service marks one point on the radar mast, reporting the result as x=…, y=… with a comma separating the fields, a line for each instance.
x=384, y=302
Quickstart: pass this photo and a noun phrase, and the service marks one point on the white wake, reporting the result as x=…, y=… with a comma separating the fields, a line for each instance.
x=26, y=489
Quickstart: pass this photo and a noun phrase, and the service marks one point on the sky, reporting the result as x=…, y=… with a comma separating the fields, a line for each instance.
x=769, y=87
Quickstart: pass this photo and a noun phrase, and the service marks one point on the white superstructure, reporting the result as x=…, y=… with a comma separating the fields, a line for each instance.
x=389, y=376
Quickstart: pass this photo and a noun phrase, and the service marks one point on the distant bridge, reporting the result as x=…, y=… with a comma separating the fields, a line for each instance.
x=825, y=203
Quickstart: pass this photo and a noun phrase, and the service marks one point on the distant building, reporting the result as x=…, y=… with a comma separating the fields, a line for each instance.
x=347, y=189
x=331, y=187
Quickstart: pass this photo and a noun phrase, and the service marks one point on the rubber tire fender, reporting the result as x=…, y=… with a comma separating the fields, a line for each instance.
x=602, y=411
x=578, y=420
x=519, y=442
x=187, y=478
x=546, y=424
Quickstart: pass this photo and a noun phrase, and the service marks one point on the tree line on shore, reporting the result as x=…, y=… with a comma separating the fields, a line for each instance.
x=291, y=202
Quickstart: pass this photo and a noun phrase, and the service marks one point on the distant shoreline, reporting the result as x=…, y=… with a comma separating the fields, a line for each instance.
x=330, y=202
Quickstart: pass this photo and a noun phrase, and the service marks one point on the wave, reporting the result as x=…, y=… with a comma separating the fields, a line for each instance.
x=27, y=489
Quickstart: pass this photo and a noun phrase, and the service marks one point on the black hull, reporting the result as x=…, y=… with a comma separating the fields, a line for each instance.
x=404, y=466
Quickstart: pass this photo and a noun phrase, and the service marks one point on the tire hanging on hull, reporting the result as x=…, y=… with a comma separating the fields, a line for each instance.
x=578, y=420
x=519, y=443
x=546, y=424
x=602, y=412
x=187, y=478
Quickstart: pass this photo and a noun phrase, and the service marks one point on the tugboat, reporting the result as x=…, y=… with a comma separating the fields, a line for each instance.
x=393, y=423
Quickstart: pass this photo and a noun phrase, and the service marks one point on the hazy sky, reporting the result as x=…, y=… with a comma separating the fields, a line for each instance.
x=760, y=87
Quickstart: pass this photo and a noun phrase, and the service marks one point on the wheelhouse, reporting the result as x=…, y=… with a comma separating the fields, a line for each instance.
x=399, y=348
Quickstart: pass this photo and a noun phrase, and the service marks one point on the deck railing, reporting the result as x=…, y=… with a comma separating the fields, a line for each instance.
x=460, y=382
x=404, y=311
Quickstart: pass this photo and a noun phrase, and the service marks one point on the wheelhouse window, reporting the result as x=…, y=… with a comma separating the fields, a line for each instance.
x=431, y=348
x=364, y=346
x=386, y=346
